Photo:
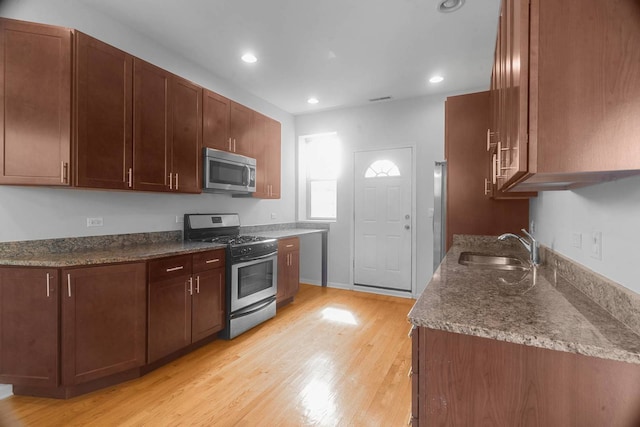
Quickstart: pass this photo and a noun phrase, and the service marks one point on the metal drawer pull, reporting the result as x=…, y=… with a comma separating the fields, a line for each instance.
x=130, y=180
x=176, y=180
x=209, y=261
x=69, y=284
x=197, y=284
x=169, y=270
x=190, y=285
x=289, y=246
x=48, y=285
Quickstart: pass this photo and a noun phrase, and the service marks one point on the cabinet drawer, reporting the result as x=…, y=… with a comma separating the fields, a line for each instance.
x=167, y=268
x=289, y=244
x=208, y=260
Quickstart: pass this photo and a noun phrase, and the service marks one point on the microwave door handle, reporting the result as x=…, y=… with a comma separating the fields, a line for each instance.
x=247, y=176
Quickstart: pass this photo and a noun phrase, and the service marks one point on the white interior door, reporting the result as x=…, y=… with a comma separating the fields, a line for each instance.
x=383, y=202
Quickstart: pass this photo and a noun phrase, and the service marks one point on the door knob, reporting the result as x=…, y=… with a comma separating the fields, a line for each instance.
x=406, y=227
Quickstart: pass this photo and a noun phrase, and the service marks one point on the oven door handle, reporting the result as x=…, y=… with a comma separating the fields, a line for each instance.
x=250, y=258
x=252, y=308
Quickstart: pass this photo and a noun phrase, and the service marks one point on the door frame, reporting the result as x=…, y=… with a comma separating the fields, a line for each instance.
x=353, y=286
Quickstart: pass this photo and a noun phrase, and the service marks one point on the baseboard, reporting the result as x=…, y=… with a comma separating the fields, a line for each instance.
x=6, y=390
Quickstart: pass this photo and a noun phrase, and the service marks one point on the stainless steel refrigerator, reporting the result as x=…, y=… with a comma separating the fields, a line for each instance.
x=439, y=212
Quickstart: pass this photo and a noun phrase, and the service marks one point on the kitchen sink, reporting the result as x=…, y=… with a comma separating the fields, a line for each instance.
x=495, y=262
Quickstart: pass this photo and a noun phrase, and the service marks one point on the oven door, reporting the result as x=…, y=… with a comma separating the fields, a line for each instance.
x=253, y=281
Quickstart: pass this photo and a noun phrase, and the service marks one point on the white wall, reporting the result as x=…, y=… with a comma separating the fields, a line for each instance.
x=36, y=213
x=417, y=122
x=612, y=208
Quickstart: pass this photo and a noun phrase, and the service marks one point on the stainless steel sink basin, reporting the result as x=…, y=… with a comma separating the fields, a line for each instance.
x=495, y=262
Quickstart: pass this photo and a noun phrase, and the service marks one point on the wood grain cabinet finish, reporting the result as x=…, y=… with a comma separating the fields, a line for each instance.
x=103, y=321
x=464, y=379
x=167, y=131
x=288, y=270
x=215, y=121
x=35, y=103
x=241, y=129
x=567, y=83
x=466, y=118
x=267, y=151
x=103, y=143
x=186, y=301
x=29, y=311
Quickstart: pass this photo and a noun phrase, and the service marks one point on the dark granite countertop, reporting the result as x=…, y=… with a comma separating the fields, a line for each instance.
x=536, y=307
x=127, y=253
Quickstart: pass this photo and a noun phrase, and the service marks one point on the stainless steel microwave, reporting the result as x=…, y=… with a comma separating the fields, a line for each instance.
x=228, y=172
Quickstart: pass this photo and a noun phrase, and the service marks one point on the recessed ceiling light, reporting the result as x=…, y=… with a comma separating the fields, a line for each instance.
x=447, y=6
x=436, y=79
x=249, y=58
x=312, y=100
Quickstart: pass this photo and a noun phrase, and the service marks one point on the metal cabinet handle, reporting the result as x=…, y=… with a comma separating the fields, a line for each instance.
x=234, y=146
x=48, y=285
x=169, y=270
x=289, y=246
x=209, y=261
x=171, y=181
x=63, y=172
x=176, y=180
x=190, y=285
x=69, y=284
x=230, y=144
x=487, y=190
x=499, y=172
x=130, y=178
x=197, y=284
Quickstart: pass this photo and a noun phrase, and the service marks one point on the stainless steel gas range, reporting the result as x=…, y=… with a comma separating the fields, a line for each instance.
x=252, y=269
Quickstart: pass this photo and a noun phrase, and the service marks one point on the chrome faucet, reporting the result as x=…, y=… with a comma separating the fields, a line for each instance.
x=532, y=247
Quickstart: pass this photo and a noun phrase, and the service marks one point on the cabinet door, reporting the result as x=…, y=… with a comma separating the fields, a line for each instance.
x=266, y=150
x=35, y=103
x=103, y=100
x=216, y=111
x=208, y=304
x=169, y=316
x=293, y=278
x=29, y=326
x=273, y=141
x=288, y=269
x=186, y=141
x=152, y=127
x=241, y=129
x=283, y=277
x=103, y=321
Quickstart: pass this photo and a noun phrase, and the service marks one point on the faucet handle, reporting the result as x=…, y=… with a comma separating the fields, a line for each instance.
x=528, y=235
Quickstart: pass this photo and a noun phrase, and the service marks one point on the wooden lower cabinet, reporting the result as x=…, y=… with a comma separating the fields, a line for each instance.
x=186, y=301
x=465, y=380
x=29, y=326
x=288, y=270
x=103, y=321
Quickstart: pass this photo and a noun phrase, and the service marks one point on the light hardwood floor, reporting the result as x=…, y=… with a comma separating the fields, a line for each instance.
x=332, y=358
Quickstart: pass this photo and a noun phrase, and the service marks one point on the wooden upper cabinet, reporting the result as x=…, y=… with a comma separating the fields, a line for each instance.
x=186, y=141
x=167, y=131
x=267, y=153
x=103, y=146
x=216, y=112
x=568, y=85
x=29, y=350
x=152, y=127
x=241, y=129
x=35, y=103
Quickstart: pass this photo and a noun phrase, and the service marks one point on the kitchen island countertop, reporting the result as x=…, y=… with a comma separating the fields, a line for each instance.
x=536, y=308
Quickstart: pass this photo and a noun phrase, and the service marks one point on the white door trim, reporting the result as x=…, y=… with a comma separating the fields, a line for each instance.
x=413, y=226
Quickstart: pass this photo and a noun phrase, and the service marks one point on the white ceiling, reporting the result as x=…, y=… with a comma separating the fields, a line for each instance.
x=344, y=52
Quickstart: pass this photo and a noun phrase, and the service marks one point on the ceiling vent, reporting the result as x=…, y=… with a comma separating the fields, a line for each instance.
x=448, y=6
x=382, y=98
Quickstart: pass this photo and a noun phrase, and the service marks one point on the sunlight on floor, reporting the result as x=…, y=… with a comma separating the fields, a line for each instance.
x=318, y=401
x=339, y=315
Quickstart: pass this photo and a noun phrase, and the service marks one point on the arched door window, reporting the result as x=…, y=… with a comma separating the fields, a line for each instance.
x=382, y=169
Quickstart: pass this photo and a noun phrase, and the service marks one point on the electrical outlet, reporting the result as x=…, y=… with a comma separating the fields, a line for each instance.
x=596, y=245
x=576, y=240
x=95, y=222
